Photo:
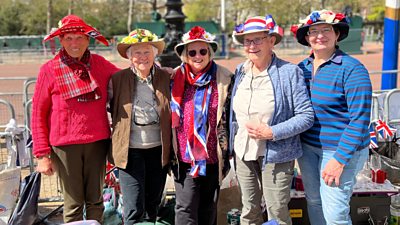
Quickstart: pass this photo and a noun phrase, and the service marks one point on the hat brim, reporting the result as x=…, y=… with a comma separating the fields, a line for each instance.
x=239, y=37
x=179, y=47
x=302, y=31
x=82, y=28
x=122, y=47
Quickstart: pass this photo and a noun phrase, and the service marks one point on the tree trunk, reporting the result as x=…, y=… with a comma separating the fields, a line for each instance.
x=71, y=6
x=49, y=15
x=129, y=23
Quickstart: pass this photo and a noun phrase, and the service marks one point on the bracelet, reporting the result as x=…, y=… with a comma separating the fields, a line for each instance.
x=44, y=156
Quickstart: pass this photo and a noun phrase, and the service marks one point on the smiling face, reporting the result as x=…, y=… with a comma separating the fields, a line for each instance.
x=200, y=60
x=258, y=46
x=142, y=57
x=322, y=37
x=75, y=44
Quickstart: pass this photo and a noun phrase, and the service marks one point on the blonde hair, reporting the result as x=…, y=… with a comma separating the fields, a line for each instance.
x=184, y=57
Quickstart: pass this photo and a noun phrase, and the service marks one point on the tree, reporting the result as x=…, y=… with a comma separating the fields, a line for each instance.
x=10, y=19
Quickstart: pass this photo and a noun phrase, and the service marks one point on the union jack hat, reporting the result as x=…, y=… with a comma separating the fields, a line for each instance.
x=257, y=24
x=324, y=16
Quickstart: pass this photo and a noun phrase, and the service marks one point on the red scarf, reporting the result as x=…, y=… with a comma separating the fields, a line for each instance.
x=73, y=77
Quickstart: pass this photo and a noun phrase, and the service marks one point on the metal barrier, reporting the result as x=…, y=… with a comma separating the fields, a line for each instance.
x=392, y=108
x=26, y=94
x=11, y=113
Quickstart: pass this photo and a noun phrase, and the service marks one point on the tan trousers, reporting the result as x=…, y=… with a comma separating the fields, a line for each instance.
x=273, y=183
x=81, y=169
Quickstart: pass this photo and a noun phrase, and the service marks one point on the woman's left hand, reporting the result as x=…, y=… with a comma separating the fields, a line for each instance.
x=260, y=131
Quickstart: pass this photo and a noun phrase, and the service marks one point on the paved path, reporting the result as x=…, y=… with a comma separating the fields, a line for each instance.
x=372, y=59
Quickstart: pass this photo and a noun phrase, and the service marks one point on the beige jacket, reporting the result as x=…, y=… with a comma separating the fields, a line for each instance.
x=123, y=83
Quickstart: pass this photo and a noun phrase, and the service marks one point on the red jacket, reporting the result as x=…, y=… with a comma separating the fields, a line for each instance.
x=58, y=122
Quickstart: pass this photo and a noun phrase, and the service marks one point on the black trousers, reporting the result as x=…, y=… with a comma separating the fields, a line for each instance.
x=142, y=185
x=196, y=198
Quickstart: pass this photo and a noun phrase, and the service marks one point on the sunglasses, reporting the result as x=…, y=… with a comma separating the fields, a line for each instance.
x=193, y=53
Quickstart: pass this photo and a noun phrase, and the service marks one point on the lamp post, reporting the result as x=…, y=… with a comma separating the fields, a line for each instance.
x=174, y=29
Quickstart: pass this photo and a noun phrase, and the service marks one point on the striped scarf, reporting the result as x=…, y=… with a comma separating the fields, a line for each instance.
x=73, y=77
x=196, y=147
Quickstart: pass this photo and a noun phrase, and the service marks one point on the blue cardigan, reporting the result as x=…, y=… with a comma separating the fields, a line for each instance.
x=293, y=112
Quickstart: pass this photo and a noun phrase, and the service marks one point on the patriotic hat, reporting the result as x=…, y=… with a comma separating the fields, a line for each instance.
x=140, y=36
x=197, y=33
x=257, y=24
x=73, y=24
x=324, y=16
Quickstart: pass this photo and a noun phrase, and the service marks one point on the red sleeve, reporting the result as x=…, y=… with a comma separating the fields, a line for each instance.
x=41, y=107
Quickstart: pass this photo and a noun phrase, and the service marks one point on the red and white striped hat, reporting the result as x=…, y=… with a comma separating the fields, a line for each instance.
x=257, y=24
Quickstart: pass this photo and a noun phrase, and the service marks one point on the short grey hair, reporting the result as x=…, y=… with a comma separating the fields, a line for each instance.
x=185, y=58
x=129, y=52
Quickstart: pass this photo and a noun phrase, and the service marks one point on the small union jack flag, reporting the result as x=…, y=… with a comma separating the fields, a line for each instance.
x=373, y=140
x=384, y=130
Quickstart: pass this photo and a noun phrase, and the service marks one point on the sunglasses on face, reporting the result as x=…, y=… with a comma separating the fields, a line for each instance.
x=193, y=53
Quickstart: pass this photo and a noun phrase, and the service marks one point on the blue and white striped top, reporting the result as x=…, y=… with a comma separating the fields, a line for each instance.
x=341, y=94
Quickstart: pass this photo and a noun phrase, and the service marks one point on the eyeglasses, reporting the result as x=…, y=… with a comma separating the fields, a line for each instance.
x=193, y=53
x=256, y=41
x=145, y=114
x=323, y=31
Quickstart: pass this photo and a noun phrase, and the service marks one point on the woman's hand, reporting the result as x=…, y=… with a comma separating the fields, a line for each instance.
x=332, y=172
x=45, y=166
x=259, y=131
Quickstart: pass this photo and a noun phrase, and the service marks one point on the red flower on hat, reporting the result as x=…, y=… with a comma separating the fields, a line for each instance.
x=294, y=29
x=339, y=16
x=196, y=32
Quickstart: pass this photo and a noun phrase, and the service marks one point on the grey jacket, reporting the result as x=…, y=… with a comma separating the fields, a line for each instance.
x=293, y=112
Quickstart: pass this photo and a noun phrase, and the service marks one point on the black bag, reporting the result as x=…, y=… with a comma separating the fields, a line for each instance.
x=389, y=149
x=26, y=211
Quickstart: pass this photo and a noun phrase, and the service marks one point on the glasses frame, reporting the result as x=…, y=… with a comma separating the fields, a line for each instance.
x=323, y=31
x=193, y=53
x=256, y=41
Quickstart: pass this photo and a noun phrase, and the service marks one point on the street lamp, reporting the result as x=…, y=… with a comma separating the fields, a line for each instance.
x=174, y=29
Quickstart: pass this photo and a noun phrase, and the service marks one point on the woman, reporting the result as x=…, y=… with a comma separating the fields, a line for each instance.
x=141, y=122
x=336, y=147
x=199, y=111
x=270, y=108
x=69, y=138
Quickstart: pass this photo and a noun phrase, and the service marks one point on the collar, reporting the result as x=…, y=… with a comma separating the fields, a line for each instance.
x=335, y=58
x=248, y=64
x=148, y=79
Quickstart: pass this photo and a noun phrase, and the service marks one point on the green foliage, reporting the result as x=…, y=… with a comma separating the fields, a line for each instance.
x=201, y=10
x=29, y=17
x=10, y=19
x=377, y=11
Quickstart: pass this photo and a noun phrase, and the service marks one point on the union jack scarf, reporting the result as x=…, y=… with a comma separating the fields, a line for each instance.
x=73, y=77
x=196, y=147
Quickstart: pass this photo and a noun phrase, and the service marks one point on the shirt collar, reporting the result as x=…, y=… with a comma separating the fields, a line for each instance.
x=146, y=80
x=335, y=58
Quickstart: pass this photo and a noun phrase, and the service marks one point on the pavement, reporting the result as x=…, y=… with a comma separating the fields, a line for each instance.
x=28, y=66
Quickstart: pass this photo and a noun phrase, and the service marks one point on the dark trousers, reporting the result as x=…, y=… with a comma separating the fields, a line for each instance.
x=196, y=198
x=142, y=185
x=81, y=169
